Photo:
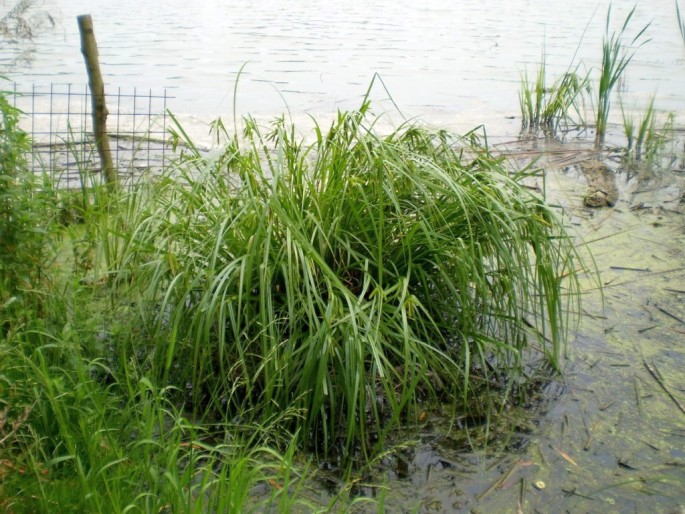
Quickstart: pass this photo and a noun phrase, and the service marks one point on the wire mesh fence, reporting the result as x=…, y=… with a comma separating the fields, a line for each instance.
x=58, y=118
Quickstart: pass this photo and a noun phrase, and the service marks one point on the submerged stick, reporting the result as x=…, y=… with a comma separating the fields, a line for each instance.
x=653, y=371
x=671, y=315
x=638, y=400
x=564, y=455
x=497, y=484
x=590, y=435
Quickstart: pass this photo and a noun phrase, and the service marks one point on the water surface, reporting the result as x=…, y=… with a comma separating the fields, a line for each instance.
x=453, y=63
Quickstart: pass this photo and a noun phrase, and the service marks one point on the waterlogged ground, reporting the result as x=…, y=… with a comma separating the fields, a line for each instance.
x=615, y=441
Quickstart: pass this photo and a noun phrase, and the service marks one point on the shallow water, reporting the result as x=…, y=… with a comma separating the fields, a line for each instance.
x=609, y=438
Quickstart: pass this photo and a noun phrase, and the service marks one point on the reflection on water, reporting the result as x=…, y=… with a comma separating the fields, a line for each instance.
x=457, y=63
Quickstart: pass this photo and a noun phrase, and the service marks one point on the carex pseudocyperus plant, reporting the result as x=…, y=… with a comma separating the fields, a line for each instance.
x=351, y=276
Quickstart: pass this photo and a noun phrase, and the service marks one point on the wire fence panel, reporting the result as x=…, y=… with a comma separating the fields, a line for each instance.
x=58, y=118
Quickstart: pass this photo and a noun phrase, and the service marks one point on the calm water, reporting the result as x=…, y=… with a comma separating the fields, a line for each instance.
x=457, y=63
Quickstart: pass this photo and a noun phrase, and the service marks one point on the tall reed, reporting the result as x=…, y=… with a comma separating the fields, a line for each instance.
x=532, y=97
x=615, y=59
x=681, y=21
x=349, y=278
x=645, y=138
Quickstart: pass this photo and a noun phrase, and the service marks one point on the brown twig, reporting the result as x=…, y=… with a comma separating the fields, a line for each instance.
x=14, y=426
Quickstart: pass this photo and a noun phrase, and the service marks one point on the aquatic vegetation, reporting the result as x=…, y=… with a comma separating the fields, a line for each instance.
x=645, y=139
x=681, y=21
x=628, y=128
x=551, y=107
x=637, y=133
x=195, y=330
x=350, y=278
x=532, y=97
x=564, y=102
x=615, y=58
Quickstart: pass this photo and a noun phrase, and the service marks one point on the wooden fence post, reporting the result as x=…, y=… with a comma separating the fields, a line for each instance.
x=89, y=50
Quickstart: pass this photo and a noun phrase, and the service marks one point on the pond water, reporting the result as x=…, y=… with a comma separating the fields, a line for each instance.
x=608, y=438
x=457, y=64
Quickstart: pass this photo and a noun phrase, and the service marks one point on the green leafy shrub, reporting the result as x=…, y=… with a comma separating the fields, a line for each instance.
x=23, y=218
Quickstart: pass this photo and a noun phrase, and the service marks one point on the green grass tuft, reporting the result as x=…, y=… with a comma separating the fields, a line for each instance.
x=171, y=346
x=646, y=137
x=554, y=107
x=74, y=439
x=349, y=278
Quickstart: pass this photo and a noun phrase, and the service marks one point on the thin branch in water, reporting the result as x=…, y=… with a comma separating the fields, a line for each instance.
x=671, y=315
x=655, y=374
